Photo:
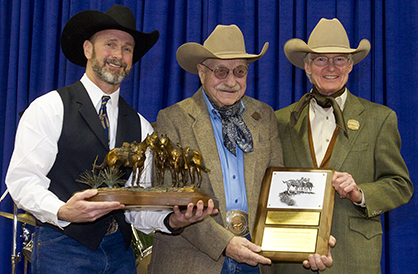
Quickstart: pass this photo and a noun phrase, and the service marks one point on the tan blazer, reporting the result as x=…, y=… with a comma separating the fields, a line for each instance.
x=199, y=248
x=371, y=154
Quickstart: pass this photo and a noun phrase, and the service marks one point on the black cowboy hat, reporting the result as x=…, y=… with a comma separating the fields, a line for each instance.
x=84, y=24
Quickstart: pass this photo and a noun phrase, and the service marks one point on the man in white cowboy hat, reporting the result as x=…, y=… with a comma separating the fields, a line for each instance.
x=330, y=127
x=238, y=139
x=60, y=135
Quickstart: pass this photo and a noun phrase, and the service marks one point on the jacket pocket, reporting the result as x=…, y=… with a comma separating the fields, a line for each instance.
x=369, y=228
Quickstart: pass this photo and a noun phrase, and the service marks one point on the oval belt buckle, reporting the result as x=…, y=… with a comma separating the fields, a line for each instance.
x=237, y=222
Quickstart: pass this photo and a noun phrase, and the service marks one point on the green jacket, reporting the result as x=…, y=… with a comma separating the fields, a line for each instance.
x=371, y=154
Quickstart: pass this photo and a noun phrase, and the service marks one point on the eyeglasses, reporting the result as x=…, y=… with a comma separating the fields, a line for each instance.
x=323, y=61
x=222, y=72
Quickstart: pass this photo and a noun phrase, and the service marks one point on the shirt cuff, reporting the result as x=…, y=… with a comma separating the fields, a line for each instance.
x=363, y=200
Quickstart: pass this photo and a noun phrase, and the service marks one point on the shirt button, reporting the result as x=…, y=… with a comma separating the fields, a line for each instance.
x=327, y=118
x=327, y=140
x=236, y=201
x=233, y=177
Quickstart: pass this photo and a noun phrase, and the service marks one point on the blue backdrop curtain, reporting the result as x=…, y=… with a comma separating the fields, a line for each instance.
x=33, y=64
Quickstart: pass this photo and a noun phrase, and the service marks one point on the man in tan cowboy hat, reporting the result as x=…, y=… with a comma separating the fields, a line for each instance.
x=60, y=135
x=330, y=127
x=238, y=139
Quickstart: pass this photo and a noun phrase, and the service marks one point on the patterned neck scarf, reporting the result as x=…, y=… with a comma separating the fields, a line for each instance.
x=234, y=129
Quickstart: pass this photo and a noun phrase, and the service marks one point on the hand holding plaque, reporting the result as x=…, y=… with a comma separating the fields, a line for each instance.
x=294, y=213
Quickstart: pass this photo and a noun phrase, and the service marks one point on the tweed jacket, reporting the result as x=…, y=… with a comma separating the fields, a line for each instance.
x=371, y=154
x=199, y=248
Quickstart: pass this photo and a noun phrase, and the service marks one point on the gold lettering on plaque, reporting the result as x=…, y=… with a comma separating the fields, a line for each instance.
x=292, y=218
x=289, y=239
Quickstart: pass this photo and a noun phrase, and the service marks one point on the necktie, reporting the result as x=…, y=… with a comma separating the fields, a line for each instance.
x=323, y=101
x=103, y=116
x=234, y=129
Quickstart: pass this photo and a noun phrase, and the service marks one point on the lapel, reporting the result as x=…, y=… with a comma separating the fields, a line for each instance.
x=88, y=112
x=251, y=118
x=300, y=141
x=352, y=111
x=206, y=144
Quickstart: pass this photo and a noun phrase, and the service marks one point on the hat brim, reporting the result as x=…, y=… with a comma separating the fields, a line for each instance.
x=296, y=50
x=190, y=54
x=84, y=24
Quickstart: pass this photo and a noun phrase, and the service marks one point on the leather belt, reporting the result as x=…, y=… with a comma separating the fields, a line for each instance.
x=237, y=222
x=113, y=227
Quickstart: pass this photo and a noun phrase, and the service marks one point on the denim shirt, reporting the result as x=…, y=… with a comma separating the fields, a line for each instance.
x=232, y=167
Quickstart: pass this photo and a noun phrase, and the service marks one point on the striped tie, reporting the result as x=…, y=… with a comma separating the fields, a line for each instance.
x=103, y=116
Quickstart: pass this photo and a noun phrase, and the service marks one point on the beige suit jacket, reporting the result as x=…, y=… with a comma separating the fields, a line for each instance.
x=199, y=248
x=371, y=154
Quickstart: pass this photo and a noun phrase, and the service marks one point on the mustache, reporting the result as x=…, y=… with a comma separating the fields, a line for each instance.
x=115, y=62
x=222, y=86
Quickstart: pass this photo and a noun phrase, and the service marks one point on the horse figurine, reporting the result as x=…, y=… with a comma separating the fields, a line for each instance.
x=160, y=158
x=175, y=160
x=193, y=162
x=130, y=155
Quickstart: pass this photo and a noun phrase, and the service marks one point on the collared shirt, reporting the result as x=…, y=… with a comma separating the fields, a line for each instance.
x=232, y=167
x=36, y=147
x=323, y=126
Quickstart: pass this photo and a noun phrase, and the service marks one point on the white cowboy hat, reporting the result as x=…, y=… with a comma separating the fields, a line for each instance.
x=225, y=42
x=329, y=36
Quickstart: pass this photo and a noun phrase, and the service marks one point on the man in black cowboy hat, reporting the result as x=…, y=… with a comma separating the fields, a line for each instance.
x=59, y=137
x=331, y=127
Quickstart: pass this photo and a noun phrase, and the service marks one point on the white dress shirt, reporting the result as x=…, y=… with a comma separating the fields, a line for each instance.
x=323, y=125
x=36, y=147
x=322, y=128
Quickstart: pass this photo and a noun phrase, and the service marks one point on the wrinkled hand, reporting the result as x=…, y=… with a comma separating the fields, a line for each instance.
x=346, y=187
x=316, y=261
x=244, y=251
x=192, y=214
x=78, y=210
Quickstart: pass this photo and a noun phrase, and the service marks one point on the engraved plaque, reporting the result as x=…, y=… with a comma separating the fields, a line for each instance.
x=294, y=213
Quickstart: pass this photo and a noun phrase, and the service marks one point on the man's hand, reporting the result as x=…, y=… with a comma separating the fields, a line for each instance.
x=78, y=210
x=346, y=187
x=244, y=251
x=316, y=261
x=191, y=214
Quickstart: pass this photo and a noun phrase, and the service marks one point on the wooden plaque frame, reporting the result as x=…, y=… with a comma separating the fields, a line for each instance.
x=294, y=214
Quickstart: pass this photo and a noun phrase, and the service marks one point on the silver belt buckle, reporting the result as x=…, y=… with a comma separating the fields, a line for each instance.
x=237, y=222
x=113, y=227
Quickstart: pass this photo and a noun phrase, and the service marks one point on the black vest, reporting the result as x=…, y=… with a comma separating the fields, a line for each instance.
x=82, y=140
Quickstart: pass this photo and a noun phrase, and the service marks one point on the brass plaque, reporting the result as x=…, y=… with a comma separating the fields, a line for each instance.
x=294, y=213
x=292, y=218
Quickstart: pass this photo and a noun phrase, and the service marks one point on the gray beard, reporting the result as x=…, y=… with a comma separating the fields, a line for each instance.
x=103, y=74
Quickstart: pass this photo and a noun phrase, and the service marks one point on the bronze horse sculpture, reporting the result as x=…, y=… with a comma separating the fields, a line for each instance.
x=181, y=163
x=193, y=162
x=160, y=159
x=175, y=161
x=130, y=155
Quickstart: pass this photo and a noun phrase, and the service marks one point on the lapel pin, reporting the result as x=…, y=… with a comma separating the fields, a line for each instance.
x=353, y=124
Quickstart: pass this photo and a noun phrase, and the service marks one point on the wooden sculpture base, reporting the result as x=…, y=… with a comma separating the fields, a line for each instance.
x=154, y=197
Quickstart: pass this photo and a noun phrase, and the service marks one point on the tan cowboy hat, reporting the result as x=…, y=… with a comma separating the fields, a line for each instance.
x=225, y=42
x=329, y=36
x=84, y=24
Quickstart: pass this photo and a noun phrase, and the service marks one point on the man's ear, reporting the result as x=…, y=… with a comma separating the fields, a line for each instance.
x=200, y=72
x=88, y=49
x=307, y=68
